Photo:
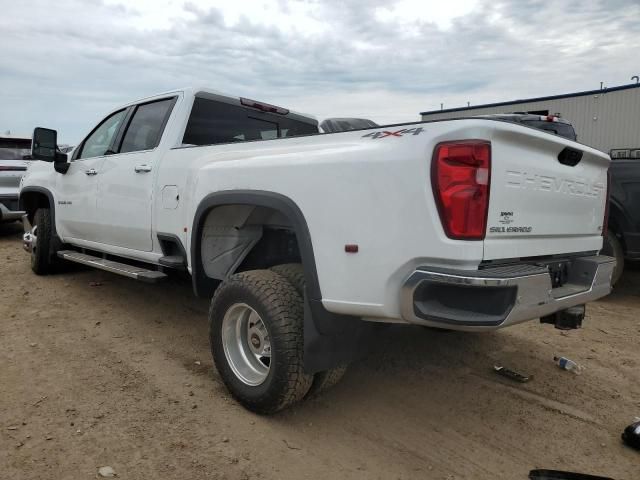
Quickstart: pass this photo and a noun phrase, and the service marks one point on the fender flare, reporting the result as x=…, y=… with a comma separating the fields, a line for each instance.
x=258, y=198
x=42, y=191
x=330, y=340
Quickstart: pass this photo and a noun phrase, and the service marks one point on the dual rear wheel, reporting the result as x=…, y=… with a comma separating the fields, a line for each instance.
x=257, y=339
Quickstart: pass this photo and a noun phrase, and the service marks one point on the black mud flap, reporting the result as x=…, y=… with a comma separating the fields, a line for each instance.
x=332, y=340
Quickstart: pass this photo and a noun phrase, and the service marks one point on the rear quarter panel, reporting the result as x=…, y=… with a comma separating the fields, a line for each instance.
x=352, y=189
x=373, y=191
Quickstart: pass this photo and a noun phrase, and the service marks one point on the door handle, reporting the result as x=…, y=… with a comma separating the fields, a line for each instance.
x=142, y=168
x=91, y=172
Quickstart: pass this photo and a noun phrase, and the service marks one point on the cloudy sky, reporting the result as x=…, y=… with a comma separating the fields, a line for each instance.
x=64, y=64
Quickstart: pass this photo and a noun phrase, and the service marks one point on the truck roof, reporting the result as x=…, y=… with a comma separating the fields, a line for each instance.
x=11, y=136
x=218, y=95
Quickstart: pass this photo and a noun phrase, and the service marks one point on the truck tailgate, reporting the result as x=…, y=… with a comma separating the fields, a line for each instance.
x=541, y=201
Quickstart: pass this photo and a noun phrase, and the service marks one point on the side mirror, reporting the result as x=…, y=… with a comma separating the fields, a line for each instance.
x=44, y=144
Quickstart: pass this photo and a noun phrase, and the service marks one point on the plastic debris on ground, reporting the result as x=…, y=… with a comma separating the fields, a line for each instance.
x=631, y=435
x=567, y=364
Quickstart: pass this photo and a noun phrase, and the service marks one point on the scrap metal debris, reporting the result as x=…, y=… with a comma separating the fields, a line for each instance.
x=512, y=375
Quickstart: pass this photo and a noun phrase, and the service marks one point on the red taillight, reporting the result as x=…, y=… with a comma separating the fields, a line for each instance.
x=605, y=222
x=460, y=177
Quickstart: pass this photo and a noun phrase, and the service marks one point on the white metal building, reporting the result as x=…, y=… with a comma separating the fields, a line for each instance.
x=607, y=119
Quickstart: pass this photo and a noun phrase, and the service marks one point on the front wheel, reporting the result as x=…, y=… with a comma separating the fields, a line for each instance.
x=42, y=261
x=255, y=330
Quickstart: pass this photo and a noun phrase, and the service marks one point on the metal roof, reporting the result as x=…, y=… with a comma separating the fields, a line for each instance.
x=537, y=99
x=12, y=136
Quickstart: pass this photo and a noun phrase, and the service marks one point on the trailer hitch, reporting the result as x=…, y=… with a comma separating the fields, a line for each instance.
x=567, y=319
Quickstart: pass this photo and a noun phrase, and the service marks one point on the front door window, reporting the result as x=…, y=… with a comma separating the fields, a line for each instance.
x=100, y=140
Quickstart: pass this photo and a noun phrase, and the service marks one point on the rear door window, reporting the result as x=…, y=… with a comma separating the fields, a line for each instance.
x=146, y=126
x=557, y=128
x=212, y=122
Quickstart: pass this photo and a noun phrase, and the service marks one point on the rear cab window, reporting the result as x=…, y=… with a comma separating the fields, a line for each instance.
x=213, y=122
x=562, y=129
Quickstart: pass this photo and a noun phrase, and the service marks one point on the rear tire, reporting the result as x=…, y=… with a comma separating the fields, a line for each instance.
x=323, y=381
x=613, y=247
x=294, y=273
x=264, y=303
x=42, y=261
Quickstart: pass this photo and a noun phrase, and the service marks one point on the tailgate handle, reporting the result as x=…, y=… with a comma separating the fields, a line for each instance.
x=570, y=156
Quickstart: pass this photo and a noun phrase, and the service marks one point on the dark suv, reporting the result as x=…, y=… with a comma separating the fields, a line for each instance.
x=623, y=239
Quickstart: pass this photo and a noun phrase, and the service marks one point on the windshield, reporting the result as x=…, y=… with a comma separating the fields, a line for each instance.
x=563, y=129
x=14, y=149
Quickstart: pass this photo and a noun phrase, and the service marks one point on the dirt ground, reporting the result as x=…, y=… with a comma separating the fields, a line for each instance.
x=97, y=370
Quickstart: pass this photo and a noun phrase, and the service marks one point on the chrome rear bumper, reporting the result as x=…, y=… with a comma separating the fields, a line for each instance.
x=496, y=297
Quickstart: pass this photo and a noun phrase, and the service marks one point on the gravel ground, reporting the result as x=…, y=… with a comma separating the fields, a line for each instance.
x=97, y=370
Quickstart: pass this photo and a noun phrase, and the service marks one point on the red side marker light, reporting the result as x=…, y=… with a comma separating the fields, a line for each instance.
x=351, y=248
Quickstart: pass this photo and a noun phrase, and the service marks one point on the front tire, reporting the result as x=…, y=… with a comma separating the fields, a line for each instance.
x=613, y=247
x=42, y=261
x=255, y=330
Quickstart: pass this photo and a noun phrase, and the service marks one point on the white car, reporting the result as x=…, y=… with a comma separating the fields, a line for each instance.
x=305, y=240
x=15, y=155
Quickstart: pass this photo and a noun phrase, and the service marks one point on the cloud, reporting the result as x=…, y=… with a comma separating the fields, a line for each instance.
x=66, y=66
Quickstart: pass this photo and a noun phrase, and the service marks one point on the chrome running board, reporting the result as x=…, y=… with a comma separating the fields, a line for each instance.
x=137, y=273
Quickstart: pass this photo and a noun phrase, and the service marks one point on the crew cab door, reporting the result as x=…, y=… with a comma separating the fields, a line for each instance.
x=76, y=190
x=125, y=181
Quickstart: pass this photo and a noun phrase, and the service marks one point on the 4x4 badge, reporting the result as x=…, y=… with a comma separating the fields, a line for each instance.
x=397, y=133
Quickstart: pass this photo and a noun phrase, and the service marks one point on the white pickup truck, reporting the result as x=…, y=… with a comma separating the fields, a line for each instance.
x=305, y=241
